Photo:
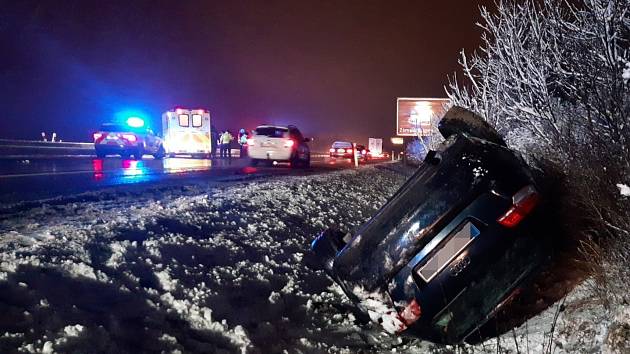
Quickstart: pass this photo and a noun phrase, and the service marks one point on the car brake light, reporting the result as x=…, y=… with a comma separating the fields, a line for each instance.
x=341, y=150
x=250, y=142
x=289, y=143
x=523, y=202
x=130, y=137
x=332, y=150
x=97, y=136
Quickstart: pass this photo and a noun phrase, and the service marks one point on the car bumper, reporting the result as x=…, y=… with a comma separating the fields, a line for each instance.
x=341, y=156
x=114, y=149
x=273, y=155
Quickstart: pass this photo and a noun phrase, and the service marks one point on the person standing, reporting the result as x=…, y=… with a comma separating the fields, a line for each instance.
x=226, y=139
x=214, y=141
x=242, y=141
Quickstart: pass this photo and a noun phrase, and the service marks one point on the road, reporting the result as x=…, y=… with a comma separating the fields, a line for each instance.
x=25, y=180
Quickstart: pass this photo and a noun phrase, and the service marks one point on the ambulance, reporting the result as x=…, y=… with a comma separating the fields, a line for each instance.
x=187, y=132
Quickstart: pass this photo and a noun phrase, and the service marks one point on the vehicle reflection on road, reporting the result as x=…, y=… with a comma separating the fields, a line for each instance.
x=132, y=171
x=97, y=167
x=132, y=168
x=177, y=165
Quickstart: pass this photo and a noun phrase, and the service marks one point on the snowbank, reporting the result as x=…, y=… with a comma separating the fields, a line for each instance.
x=195, y=268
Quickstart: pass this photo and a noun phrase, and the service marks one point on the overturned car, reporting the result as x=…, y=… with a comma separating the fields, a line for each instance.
x=452, y=245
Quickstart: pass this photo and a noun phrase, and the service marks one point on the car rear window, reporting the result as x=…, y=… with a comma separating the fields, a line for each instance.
x=272, y=132
x=342, y=144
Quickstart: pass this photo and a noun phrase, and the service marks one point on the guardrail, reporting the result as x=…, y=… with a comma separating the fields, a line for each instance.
x=15, y=149
x=33, y=149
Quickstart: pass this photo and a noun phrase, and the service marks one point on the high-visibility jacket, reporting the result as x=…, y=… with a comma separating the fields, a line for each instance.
x=226, y=138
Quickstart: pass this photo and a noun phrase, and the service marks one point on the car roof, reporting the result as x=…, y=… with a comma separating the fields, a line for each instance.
x=274, y=126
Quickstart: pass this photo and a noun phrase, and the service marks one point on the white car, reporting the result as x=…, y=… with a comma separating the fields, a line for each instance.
x=279, y=143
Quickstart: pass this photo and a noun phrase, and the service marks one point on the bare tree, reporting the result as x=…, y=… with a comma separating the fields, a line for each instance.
x=553, y=77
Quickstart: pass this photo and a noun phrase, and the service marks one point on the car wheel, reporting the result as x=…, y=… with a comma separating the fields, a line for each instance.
x=307, y=161
x=295, y=160
x=253, y=162
x=137, y=155
x=458, y=120
x=160, y=153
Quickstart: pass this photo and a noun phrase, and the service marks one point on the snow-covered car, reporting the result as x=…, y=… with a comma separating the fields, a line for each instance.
x=279, y=143
x=451, y=245
x=127, y=141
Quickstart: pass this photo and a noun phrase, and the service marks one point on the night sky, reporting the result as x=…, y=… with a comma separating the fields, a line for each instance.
x=334, y=68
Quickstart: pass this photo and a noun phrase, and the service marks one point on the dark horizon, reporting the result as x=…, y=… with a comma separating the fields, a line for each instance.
x=333, y=69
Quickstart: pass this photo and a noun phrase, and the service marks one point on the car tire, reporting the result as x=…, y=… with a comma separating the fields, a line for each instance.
x=294, y=161
x=458, y=120
x=160, y=153
x=137, y=155
x=307, y=162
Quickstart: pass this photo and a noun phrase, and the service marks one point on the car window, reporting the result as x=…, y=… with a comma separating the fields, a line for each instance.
x=342, y=144
x=272, y=132
x=184, y=120
x=196, y=120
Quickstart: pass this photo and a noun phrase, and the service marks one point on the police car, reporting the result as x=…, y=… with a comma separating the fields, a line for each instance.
x=127, y=140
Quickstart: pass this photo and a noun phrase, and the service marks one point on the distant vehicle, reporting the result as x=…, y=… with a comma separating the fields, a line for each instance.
x=346, y=150
x=452, y=245
x=187, y=132
x=363, y=153
x=341, y=149
x=127, y=140
x=279, y=143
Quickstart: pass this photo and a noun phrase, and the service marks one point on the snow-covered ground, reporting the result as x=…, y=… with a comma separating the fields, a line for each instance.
x=215, y=269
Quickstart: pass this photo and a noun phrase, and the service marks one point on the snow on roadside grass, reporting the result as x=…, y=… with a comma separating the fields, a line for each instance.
x=197, y=268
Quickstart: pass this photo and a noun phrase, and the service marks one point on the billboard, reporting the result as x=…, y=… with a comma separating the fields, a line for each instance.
x=418, y=116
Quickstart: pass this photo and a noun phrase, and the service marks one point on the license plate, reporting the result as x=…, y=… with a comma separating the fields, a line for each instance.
x=449, y=250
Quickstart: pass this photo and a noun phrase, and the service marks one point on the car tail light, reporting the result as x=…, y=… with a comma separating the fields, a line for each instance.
x=97, y=136
x=289, y=143
x=250, y=142
x=341, y=150
x=523, y=202
x=411, y=313
x=130, y=137
x=332, y=150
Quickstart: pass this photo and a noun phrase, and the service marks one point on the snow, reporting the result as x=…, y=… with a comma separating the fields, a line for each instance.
x=195, y=268
x=626, y=73
x=624, y=190
x=223, y=268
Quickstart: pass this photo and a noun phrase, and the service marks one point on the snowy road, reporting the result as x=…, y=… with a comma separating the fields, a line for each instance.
x=28, y=179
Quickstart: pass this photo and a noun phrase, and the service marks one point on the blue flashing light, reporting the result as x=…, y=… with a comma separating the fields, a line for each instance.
x=135, y=122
